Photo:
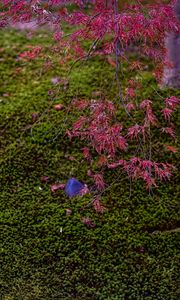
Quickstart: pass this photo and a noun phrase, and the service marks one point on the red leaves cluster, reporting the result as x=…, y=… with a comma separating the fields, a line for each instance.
x=171, y=148
x=97, y=205
x=99, y=181
x=86, y=152
x=80, y=104
x=169, y=130
x=30, y=54
x=103, y=134
x=130, y=106
x=167, y=113
x=147, y=170
x=171, y=105
x=150, y=118
x=136, y=131
x=131, y=92
x=172, y=102
x=148, y=22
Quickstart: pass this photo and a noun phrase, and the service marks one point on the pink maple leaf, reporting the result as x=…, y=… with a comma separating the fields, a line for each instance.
x=44, y=178
x=167, y=112
x=171, y=148
x=57, y=186
x=58, y=107
x=99, y=181
x=88, y=222
x=99, y=208
x=68, y=212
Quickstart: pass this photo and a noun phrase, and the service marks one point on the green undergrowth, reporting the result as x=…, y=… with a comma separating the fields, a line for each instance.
x=46, y=254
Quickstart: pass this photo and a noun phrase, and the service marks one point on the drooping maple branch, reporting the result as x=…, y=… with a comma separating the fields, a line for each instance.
x=118, y=54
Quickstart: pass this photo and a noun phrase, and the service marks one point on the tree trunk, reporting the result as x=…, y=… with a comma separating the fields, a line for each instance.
x=171, y=76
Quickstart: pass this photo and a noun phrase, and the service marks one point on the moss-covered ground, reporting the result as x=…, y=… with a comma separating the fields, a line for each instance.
x=46, y=254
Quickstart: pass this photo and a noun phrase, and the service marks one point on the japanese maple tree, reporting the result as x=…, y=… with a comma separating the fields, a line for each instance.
x=112, y=27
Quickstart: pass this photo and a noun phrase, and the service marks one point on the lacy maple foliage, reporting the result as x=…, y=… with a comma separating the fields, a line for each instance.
x=112, y=27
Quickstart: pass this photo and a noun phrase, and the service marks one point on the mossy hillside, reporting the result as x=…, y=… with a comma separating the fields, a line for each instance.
x=118, y=259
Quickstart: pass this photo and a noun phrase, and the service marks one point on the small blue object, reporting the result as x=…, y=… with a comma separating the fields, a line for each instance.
x=73, y=187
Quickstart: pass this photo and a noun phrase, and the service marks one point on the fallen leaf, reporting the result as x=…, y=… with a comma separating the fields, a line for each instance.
x=84, y=191
x=35, y=116
x=72, y=158
x=99, y=208
x=88, y=222
x=44, y=178
x=58, y=107
x=6, y=95
x=90, y=173
x=68, y=212
x=55, y=80
x=171, y=148
x=57, y=186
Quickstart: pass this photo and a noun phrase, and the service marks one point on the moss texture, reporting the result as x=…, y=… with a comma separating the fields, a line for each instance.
x=46, y=254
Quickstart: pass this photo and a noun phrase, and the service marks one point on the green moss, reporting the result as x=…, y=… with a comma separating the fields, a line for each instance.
x=118, y=259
